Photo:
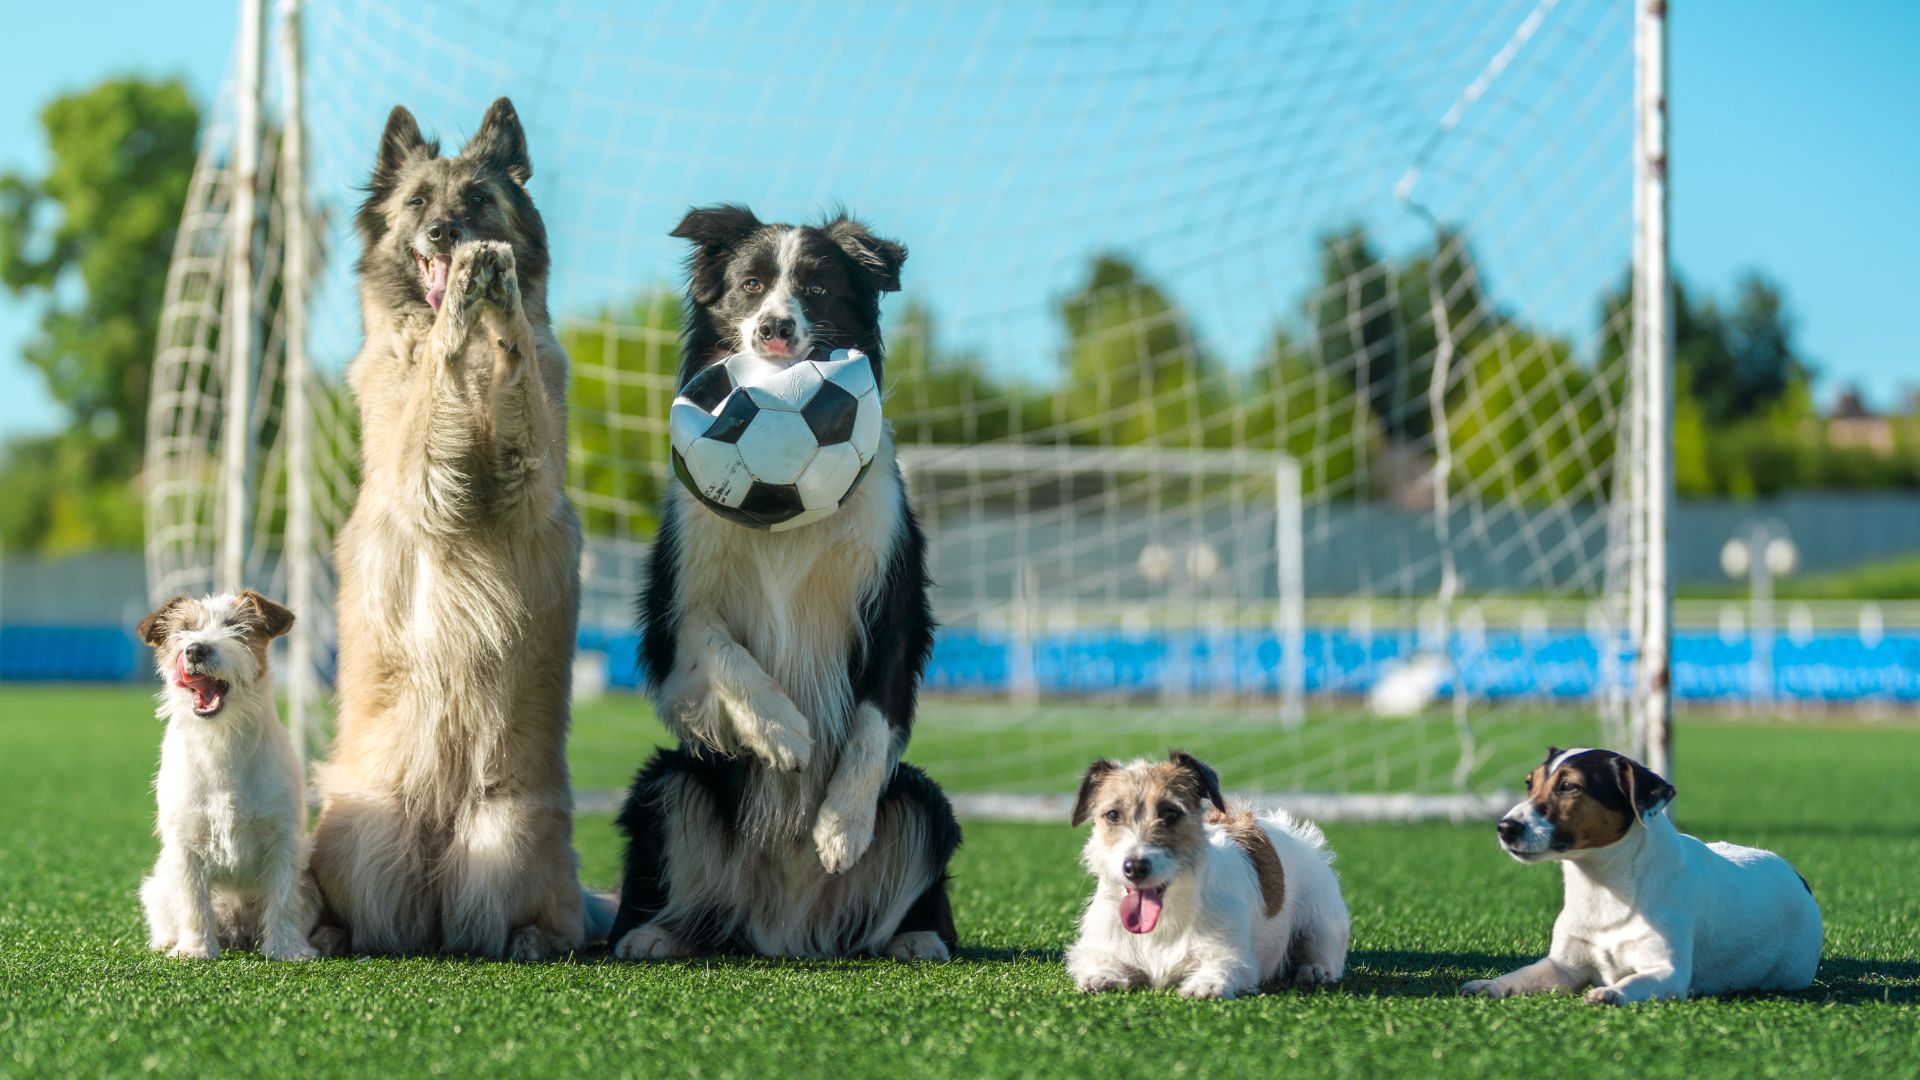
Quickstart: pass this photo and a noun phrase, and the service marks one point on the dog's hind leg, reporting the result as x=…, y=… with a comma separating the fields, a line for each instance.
x=285, y=904
x=513, y=885
x=673, y=806
x=917, y=827
x=182, y=889
x=160, y=900
x=370, y=872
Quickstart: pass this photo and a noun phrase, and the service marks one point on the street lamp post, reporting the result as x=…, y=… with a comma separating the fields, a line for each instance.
x=1760, y=551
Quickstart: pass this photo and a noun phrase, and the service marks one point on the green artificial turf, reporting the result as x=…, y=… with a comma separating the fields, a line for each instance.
x=1432, y=905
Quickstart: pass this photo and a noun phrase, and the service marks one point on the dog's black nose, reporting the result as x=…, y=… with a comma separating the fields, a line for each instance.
x=442, y=231
x=1136, y=869
x=772, y=327
x=1509, y=829
x=197, y=652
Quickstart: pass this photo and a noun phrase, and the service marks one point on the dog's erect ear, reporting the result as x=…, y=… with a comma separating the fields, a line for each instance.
x=502, y=142
x=1088, y=785
x=714, y=231
x=155, y=627
x=1203, y=774
x=274, y=619
x=402, y=140
x=1647, y=791
x=878, y=258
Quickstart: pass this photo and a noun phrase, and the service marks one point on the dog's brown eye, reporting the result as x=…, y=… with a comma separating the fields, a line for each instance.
x=1170, y=816
x=752, y=284
x=1113, y=817
x=1566, y=787
x=416, y=201
x=477, y=199
x=816, y=290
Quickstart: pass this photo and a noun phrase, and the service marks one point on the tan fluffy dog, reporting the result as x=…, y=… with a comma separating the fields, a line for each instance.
x=447, y=818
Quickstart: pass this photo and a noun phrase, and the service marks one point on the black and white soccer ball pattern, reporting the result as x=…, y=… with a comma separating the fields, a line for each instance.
x=776, y=446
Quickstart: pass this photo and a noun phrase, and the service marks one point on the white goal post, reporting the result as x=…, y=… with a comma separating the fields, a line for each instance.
x=1289, y=385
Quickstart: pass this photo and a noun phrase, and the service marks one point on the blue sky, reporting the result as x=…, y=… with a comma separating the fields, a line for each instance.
x=1794, y=144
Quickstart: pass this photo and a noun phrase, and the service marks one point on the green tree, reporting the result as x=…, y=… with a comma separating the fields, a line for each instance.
x=1307, y=410
x=938, y=396
x=1528, y=422
x=625, y=375
x=90, y=241
x=1135, y=372
x=1357, y=332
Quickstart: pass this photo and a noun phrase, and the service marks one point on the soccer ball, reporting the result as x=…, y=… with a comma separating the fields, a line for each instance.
x=776, y=446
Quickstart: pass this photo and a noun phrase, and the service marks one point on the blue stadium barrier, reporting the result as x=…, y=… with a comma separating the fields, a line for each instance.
x=69, y=654
x=1825, y=667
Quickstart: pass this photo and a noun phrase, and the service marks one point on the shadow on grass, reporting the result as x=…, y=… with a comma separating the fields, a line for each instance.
x=1841, y=981
x=1370, y=972
x=1850, y=982
x=1398, y=973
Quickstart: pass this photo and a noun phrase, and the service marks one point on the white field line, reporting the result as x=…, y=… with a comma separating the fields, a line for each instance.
x=1320, y=806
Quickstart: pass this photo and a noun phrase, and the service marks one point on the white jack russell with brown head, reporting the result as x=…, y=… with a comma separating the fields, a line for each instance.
x=1650, y=913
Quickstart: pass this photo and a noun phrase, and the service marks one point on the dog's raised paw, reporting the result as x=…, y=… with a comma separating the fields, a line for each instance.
x=840, y=839
x=490, y=275
x=650, y=942
x=918, y=945
x=788, y=746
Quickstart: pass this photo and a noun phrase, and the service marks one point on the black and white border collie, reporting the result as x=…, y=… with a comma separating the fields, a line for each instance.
x=787, y=664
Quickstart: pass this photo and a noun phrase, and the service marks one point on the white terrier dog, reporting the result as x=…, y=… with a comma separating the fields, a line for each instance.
x=233, y=811
x=1650, y=912
x=1215, y=903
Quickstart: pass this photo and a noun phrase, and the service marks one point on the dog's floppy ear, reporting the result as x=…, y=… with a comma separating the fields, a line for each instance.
x=1647, y=791
x=1088, y=785
x=1203, y=774
x=274, y=619
x=714, y=231
x=502, y=142
x=154, y=628
x=401, y=141
x=878, y=258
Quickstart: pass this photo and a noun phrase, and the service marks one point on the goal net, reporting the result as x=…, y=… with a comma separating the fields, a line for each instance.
x=1265, y=373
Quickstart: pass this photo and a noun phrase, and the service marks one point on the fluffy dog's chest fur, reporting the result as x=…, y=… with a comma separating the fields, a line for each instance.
x=795, y=600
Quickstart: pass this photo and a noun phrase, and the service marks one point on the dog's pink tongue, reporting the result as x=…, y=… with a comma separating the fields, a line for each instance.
x=1140, y=910
x=437, y=280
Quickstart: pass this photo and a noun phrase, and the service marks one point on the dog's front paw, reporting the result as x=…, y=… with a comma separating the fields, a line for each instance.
x=650, y=942
x=296, y=949
x=1605, y=995
x=483, y=273
x=1207, y=984
x=1314, y=975
x=530, y=945
x=1100, y=982
x=1492, y=988
x=917, y=945
x=330, y=940
x=785, y=742
x=195, y=950
x=840, y=839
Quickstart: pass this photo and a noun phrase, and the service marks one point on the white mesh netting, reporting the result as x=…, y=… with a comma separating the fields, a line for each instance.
x=1163, y=259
